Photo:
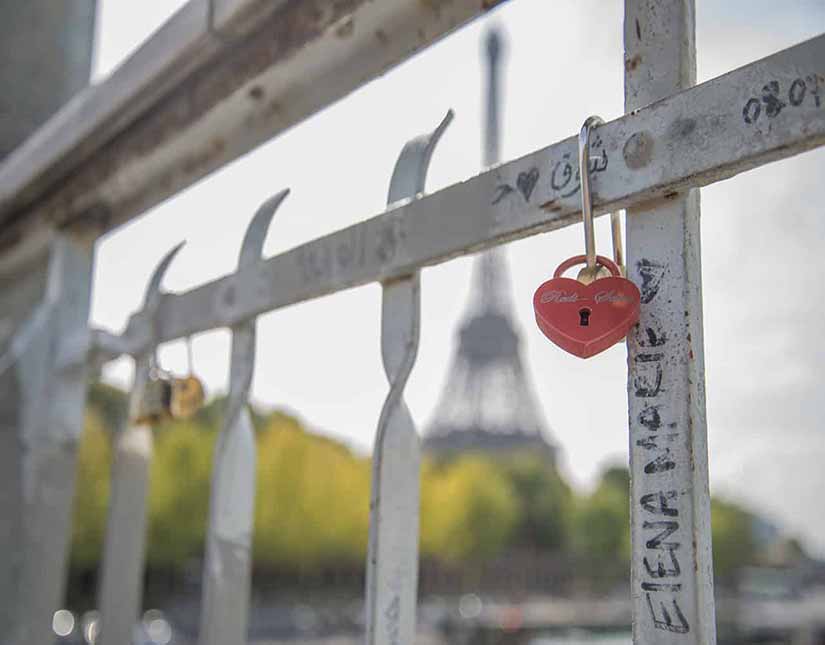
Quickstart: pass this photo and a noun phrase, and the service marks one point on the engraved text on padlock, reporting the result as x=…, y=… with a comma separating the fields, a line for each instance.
x=585, y=319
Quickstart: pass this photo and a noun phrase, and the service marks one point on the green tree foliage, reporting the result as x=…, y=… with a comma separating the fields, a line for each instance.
x=733, y=541
x=601, y=521
x=91, y=493
x=794, y=550
x=312, y=504
x=211, y=415
x=109, y=404
x=312, y=501
x=544, y=499
x=179, y=494
x=469, y=510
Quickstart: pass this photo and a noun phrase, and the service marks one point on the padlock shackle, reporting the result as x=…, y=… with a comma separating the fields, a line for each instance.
x=582, y=259
x=584, y=179
x=587, y=203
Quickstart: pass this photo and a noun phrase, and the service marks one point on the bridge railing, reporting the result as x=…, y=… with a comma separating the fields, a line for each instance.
x=675, y=138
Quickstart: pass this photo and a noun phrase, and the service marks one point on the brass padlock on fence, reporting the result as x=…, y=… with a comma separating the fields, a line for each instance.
x=167, y=397
x=187, y=397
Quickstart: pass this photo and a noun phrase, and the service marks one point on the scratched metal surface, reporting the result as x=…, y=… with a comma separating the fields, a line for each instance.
x=217, y=80
x=694, y=138
x=392, y=555
x=672, y=570
x=121, y=582
x=226, y=575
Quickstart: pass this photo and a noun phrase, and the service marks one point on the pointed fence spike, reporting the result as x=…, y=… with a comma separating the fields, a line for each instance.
x=410, y=171
x=153, y=289
x=253, y=241
x=392, y=559
x=121, y=586
x=226, y=576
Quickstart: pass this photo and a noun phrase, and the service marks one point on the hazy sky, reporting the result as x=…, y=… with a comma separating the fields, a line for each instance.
x=762, y=238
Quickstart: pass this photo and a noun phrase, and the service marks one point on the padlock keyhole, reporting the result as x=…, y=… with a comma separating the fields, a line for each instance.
x=584, y=317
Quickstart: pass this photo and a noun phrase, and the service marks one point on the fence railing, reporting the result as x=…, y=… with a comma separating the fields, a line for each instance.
x=674, y=138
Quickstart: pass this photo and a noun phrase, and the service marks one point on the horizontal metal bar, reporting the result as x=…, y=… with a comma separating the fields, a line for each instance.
x=746, y=118
x=217, y=80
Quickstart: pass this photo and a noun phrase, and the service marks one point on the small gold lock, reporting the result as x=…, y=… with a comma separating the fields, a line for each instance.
x=186, y=398
x=167, y=397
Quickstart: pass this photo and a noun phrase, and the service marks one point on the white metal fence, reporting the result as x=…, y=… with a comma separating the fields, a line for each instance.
x=674, y=138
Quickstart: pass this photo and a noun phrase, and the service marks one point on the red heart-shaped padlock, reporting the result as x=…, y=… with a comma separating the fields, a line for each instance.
x=585, y=319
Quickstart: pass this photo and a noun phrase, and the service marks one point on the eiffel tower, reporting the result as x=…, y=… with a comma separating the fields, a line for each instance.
x=488, y=403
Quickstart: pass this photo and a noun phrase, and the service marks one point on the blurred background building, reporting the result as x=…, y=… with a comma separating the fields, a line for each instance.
x=488, y=403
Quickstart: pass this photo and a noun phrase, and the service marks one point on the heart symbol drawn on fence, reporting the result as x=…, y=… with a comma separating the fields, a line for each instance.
x=527, y=181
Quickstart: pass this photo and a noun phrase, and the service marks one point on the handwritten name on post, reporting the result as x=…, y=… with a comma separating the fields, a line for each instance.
x=660, y=438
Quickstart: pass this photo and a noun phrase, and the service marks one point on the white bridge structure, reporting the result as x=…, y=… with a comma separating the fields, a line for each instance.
x=220, y=78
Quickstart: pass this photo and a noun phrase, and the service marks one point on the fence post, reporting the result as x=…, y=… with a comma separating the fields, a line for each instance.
x=121, y=581
x=52, y=374
x=392, y=558
x=672, y=571
x=225, y=598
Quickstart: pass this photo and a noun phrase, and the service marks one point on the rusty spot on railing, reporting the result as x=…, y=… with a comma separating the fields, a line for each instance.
x=632, y=63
